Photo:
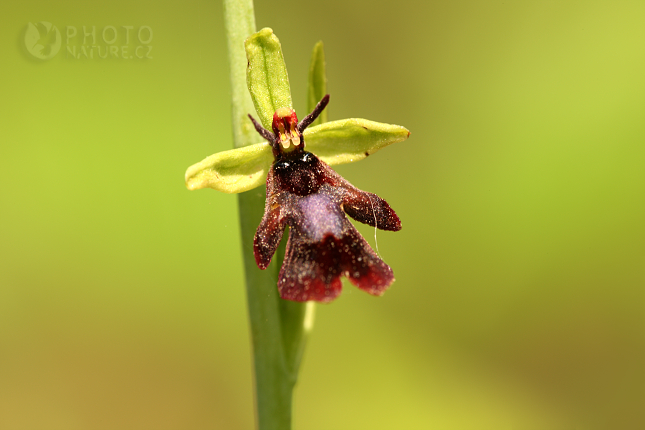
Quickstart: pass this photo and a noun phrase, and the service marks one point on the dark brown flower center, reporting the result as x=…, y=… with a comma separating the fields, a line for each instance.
x=301, y=174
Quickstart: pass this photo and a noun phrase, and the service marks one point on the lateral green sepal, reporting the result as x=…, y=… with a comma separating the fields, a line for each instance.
x=349, y=140
x=232, y=171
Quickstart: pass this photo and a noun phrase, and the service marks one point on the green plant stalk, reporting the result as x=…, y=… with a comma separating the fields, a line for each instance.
x=277, y=326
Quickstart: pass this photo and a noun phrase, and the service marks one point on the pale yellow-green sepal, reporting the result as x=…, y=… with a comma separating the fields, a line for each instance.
x=232, y=171
x=349, y=140
x=335, y=142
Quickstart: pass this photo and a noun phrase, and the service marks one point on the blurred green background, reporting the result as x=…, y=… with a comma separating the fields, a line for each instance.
x=520, y=268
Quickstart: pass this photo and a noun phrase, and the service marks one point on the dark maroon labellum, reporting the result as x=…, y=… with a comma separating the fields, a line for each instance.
x=307, y=195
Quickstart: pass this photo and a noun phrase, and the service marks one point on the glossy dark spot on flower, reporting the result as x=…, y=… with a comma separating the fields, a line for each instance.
x=301, y=174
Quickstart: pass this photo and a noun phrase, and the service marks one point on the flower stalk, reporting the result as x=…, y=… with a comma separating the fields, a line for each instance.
x=273, y=380
x=277, y=327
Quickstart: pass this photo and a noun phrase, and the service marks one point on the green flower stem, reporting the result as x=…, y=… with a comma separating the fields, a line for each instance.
x=277, y=326
x=239, y=21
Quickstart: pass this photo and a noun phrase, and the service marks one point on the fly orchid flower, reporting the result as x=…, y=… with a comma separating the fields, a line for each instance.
x=302, y=191
x=307, y=195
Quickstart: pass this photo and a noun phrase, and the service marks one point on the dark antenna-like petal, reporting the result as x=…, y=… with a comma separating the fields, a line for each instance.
x=306, y=121
x=263, y=131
